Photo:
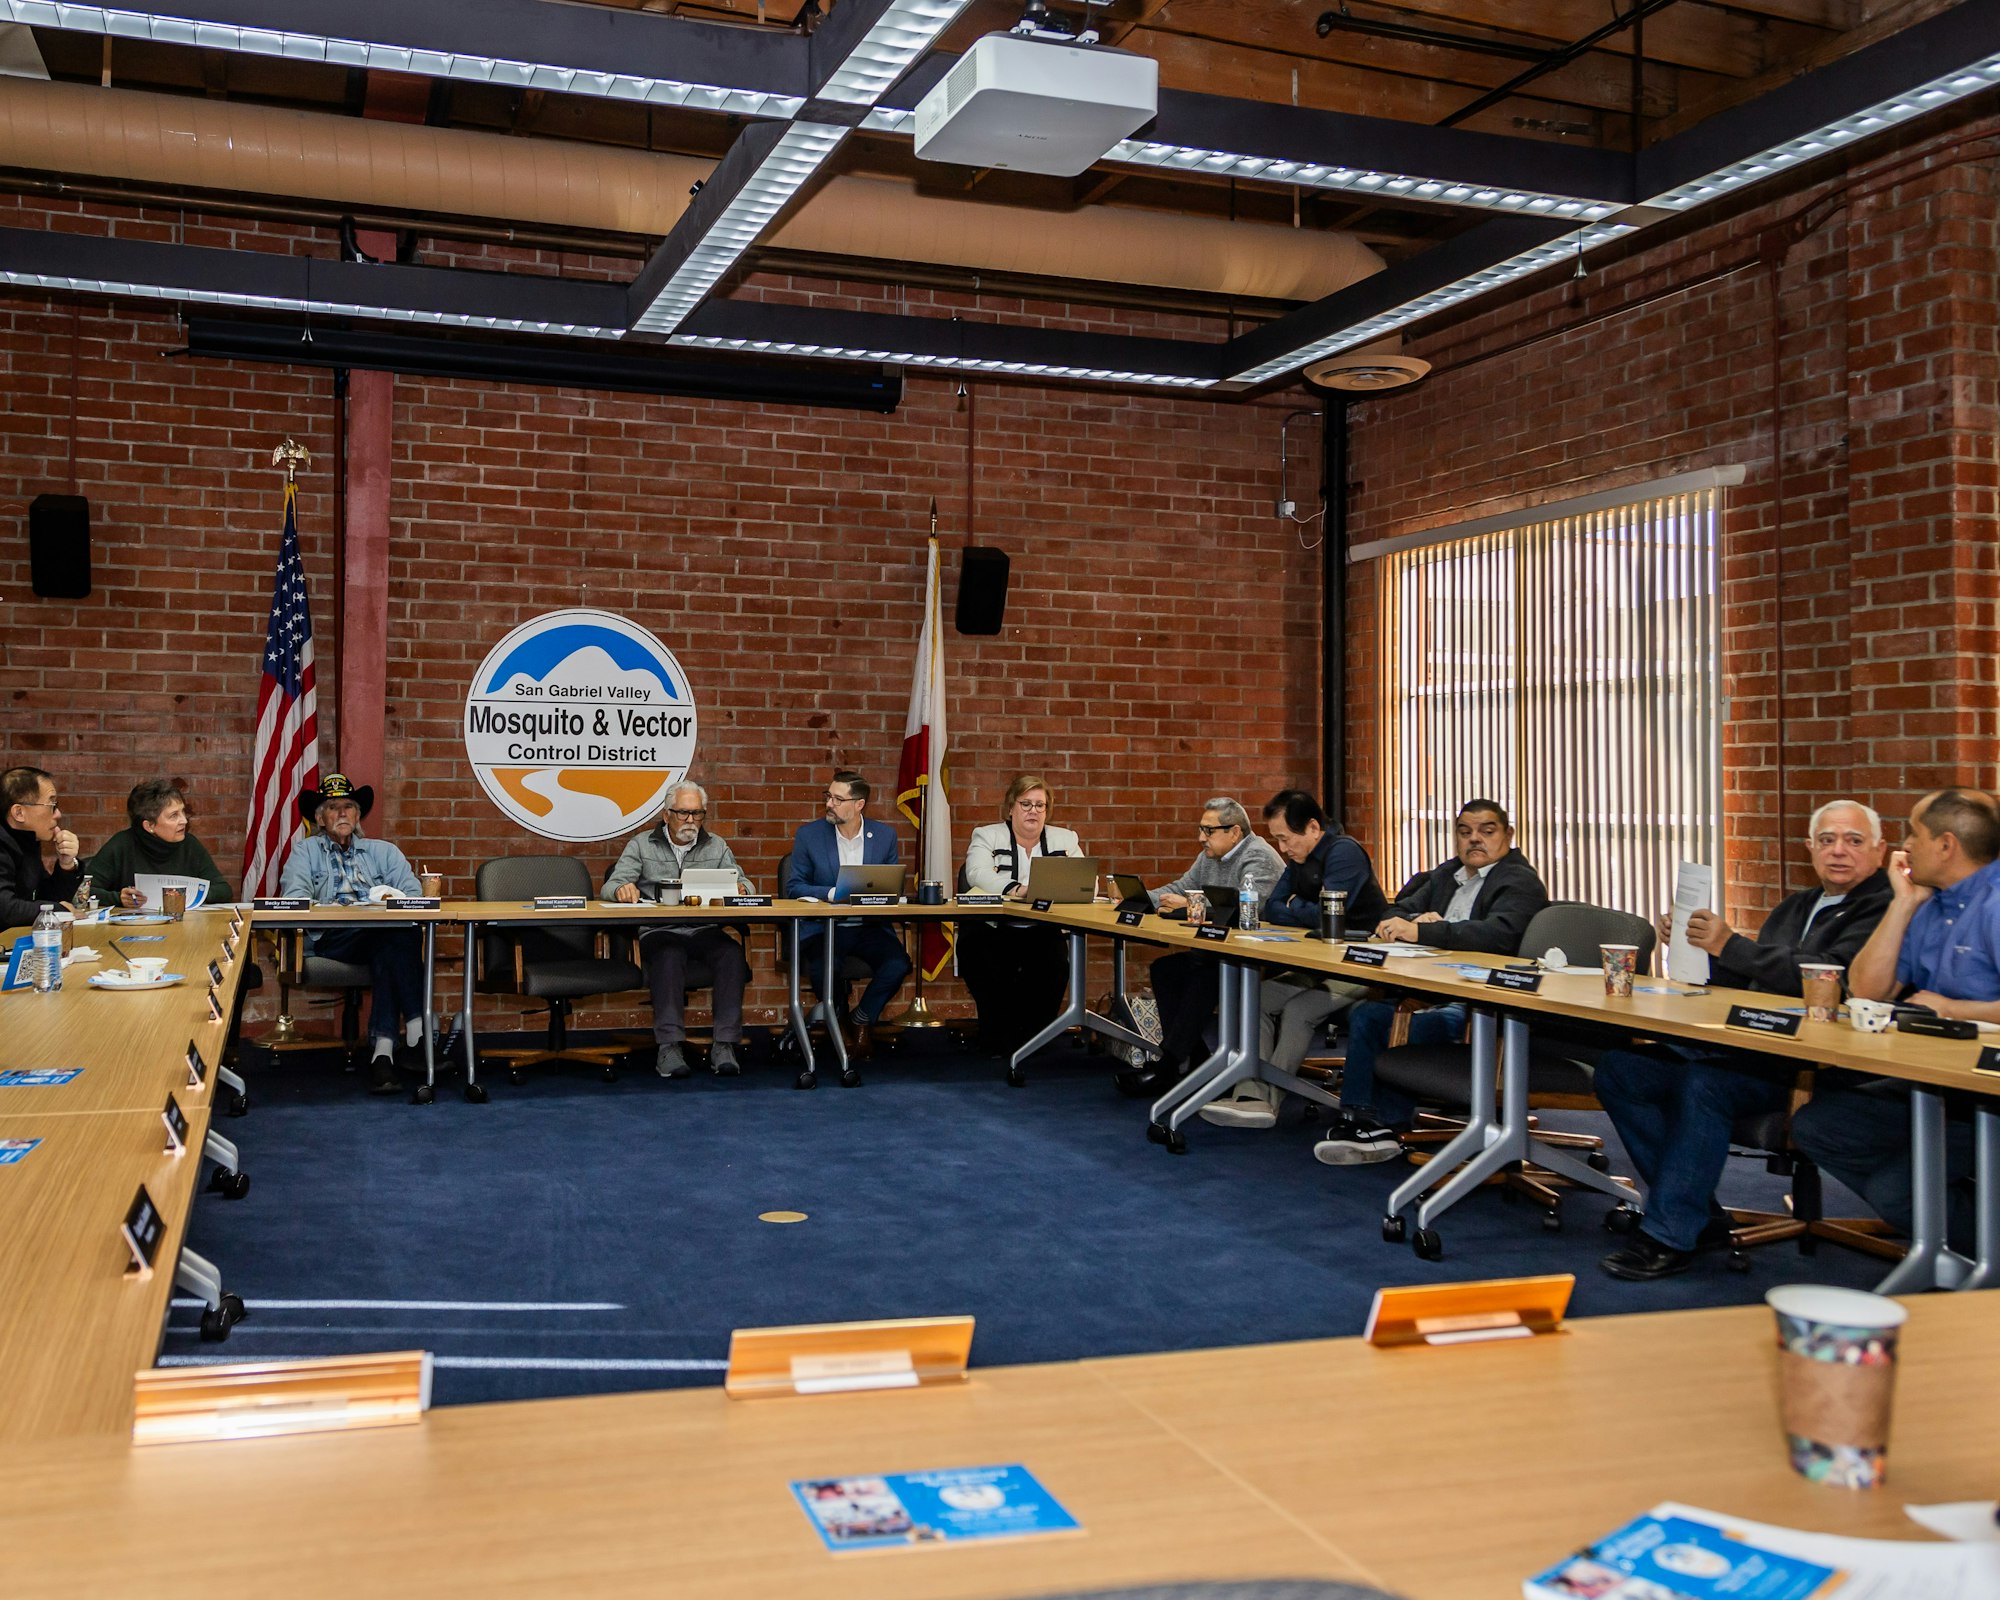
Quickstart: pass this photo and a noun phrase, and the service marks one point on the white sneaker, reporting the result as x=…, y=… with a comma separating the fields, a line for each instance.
x=1240, y=1114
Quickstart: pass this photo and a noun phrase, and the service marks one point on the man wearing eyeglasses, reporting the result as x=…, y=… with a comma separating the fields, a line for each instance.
x=844, y=836
x=662, y=855
x=34, y=824
x=1187, y=984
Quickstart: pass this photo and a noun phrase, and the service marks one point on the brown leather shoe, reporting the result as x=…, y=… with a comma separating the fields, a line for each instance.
x=860, y=1038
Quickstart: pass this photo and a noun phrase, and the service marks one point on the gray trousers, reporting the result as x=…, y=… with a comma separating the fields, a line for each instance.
x=666, y=958
x=1295, y=1005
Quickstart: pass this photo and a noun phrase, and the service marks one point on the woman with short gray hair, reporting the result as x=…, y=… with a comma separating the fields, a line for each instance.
x=159, y=843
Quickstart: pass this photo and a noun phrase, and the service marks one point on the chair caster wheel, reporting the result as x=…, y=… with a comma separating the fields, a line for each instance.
x=1597, y=1161
x=609, y=1075
x=1156, y=1133
x=1552, y=1221
x=1016, y=1078
x=476, y=1095
x=230, y=1185
x=424, y=1094
x=850, y=1079
x=514, y=1078
x=237, y=1105
x=1427, y=1244
x=1176, y=1142
x=1622, y=1219
x=217, y=1321
x=806, y=1080
x=1394, y=1229
x=1739, y=1261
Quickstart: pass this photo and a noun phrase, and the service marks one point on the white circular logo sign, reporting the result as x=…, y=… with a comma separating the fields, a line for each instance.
x=577, y=724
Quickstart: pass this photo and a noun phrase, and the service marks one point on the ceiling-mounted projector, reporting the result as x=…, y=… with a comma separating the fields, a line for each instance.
x=1036, y=105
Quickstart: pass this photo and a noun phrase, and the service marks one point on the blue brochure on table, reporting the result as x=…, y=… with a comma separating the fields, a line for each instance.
x=1674, y=1558
x=17, y=960
x=39, y=1077
x=15, y=1150
x=900, y=1509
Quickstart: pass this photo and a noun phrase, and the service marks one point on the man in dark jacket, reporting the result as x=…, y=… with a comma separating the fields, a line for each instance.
x=33, y=820
x=1481, y=899
x=1674, y=1104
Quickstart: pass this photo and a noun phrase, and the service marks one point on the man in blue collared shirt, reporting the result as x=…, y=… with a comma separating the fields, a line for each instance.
x=1938, y=945
x=336, y=866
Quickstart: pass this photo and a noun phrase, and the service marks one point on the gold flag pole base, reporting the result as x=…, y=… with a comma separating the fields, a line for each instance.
x=283, y=1031
x=917, y=1014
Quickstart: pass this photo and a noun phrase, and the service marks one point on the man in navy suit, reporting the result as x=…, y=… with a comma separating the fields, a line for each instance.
x=846, y=837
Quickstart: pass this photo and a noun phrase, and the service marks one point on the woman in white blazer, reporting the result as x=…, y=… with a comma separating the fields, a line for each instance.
x=1017, y=971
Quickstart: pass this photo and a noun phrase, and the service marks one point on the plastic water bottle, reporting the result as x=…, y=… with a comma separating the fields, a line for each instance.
x=48, y=952
x=1249, y=901
x=85, y=901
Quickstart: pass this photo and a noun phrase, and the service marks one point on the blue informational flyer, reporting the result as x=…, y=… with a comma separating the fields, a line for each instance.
x=17, y=976
x=1673, y=1558
x=39, y=1077
x=950, y=1506
x=15, y=1150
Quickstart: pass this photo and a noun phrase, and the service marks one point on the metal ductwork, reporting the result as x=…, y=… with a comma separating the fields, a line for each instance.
x=231, y=147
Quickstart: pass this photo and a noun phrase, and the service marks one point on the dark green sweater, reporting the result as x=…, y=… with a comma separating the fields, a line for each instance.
x=122, y=857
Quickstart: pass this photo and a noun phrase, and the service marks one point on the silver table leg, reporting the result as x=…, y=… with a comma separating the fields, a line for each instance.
x=1240, y=1057
x=471, y=1039
x=1076, y=1014
x=1931, y=1263
x=1986, y=1194
x=830, y=1006
x=808, y=1074
x=430, y=1005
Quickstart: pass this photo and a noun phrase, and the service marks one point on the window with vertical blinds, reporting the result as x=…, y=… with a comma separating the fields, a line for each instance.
x=1568, y=667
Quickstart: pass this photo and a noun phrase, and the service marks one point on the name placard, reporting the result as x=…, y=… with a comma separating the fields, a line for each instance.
x=560, y=902
x=746, y=901
x=1210, y=930
x=871, y=900
x=214, y=972
x=228, y=948
x=1989, y=1061
x=282, y=903
x=1469, y=1313
x=1361, y=956
x=214, y=1006
x=1753, y=1019
x=142, y=1230
x=197, y=1073
x=413, y=902
x=177, y=1127
x=828, y=1357
x=1130, y=919
x=260, y=1399
x=976, y=899
x=1519, y=980
x=1043, y=905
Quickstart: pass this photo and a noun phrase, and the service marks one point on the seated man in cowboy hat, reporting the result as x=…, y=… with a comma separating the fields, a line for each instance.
x=336, y=866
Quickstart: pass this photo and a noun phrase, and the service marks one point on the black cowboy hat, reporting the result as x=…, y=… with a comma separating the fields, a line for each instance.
x=334, y=786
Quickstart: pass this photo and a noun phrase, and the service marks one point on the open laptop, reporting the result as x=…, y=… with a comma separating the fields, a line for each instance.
x=711, y=883
x=1063, y=880
x=886, y=879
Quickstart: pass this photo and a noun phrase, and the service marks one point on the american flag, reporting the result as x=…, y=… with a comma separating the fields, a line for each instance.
x=287, y=753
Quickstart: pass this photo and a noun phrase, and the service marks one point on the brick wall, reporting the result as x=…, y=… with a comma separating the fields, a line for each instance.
x=1859, y=556
x=1161, y=640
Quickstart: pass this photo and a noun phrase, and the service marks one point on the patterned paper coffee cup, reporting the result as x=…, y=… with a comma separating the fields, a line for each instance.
x=1621, y=961
x=1836, y=1381
x=1819, y=983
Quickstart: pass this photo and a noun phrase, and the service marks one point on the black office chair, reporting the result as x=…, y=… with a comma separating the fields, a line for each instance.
x=849, y=971
x=1560, y=1056
x=343, y=983
x=557, y=963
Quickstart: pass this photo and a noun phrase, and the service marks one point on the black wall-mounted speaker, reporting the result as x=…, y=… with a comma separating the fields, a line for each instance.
x=982, y=588
x=59, y=546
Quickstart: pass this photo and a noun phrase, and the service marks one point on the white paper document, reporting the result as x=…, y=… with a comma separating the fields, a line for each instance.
x=149, y=885
x=1876, y=1569
x=1694, y=890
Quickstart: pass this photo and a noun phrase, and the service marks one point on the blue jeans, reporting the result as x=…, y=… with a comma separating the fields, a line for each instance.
x=1859, y=1132
x=1674, y=1106
x=395, y=958
x=1368, y=1036
x=875, y=943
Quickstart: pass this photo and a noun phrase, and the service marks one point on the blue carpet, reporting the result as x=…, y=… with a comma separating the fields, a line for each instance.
x=576, y=1237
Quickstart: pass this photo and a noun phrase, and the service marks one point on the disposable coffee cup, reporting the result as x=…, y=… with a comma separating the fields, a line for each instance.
x=433, y=885
x=67, y=921
x=1621, y=962
x=1836, y=1381
x=1869, y=1016
x=147, y=969
x=1819, y=981
x=174, y=901
x=1197, y=907
x=670, y=893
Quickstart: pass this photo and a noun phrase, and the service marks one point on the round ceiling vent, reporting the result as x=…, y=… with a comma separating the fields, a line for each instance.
x=1360, y=372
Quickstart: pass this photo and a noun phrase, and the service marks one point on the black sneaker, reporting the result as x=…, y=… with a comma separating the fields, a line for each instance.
x=1359, y=1143
x=383, y=1078
x=1645, y=1259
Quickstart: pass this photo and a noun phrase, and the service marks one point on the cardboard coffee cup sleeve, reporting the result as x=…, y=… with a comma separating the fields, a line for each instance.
x=1833, y=1403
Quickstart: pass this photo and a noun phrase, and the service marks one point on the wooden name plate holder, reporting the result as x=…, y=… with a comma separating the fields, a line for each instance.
x=262, y=1399
x=1469, y=1313
x=831, y=1357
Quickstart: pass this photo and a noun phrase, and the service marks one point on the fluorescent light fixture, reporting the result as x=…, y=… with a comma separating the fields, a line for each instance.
x=499, y=70
x=64, y=284
x=884, y=53
x=907, y=358
x=790, y=165
x=1846, y=130
x=1567, y=248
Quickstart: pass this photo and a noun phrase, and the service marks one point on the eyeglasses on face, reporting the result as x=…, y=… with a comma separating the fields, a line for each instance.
x=687, y=816
x=35, y=805
x=1031, y=805
x=1210, y=829
x=833, y=799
